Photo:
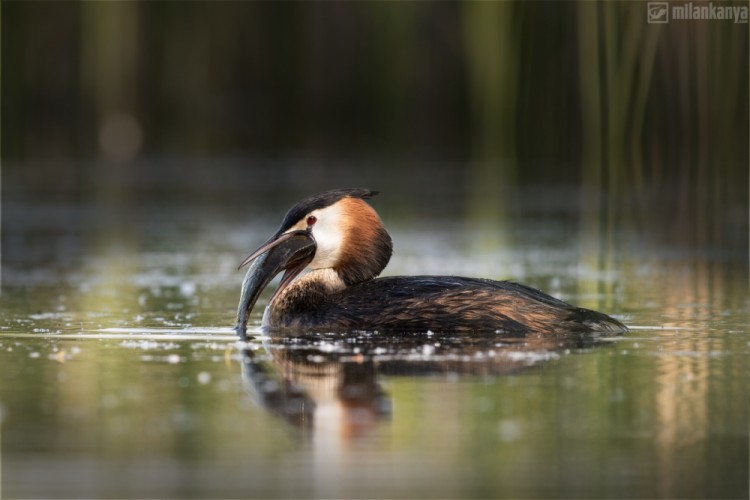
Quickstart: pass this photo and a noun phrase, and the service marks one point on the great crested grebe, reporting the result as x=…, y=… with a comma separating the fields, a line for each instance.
x=341, y=239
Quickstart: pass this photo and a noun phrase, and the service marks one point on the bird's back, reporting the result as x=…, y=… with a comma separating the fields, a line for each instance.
x=448, y=304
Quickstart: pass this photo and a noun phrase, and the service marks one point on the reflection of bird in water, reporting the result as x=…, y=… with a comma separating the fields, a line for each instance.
x=332, y=385
x=279, y=396
x=346, y=395
x=343, y=242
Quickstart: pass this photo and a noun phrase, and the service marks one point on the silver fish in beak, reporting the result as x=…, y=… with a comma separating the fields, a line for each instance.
x=289, y=252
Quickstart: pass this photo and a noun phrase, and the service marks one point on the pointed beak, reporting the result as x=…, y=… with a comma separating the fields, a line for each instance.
x=290, y=252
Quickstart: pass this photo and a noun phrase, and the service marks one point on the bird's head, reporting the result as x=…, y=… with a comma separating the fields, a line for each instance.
x=335, y=230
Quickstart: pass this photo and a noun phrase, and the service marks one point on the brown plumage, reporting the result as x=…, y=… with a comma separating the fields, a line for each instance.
x=367, y=247
x=343, y=241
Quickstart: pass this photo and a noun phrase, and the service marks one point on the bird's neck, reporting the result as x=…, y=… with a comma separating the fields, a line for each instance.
x=303, y=295
x=310, y=289
x=326, y=281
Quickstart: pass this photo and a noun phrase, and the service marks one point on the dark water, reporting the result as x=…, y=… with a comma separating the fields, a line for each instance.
x=121, y=376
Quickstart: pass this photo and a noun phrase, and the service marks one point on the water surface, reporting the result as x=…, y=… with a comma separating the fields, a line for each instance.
x=121, y=376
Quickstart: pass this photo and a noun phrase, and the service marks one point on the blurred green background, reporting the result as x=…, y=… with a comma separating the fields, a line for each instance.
x=457, y=105
x=148, y=146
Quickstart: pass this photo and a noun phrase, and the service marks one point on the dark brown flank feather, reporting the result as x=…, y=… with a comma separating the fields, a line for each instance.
x=438, y=304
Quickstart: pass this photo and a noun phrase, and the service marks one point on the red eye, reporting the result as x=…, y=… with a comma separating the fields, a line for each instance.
x=311, y=220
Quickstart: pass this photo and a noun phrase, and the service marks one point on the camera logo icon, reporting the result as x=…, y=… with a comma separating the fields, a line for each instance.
x=658, y=12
